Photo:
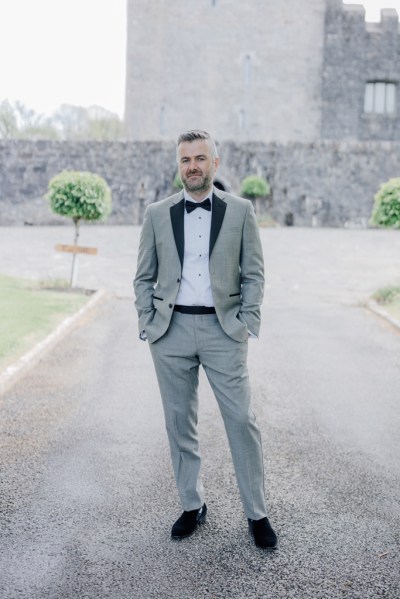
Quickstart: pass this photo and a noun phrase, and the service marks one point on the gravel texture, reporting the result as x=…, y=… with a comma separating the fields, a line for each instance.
x=87, y=496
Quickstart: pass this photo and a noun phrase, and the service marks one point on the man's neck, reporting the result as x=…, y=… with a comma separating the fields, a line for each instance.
x=198, y=196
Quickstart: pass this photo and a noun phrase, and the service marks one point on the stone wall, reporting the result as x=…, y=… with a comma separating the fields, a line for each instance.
x=26, y=168
x=282, y=71
x=316, y=184
x=241, y=70
x=356, y=52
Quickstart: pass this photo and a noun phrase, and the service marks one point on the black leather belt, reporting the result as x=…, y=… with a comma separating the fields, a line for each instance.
x=195, y=309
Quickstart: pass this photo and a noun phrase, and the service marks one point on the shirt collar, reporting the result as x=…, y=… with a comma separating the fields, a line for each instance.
x=188, y=198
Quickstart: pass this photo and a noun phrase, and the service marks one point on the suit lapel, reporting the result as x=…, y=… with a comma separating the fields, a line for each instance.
x=218, y=213
x=177, y=216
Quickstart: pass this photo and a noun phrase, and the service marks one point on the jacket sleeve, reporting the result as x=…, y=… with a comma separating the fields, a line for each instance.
x=146, y=273
x=252, y=273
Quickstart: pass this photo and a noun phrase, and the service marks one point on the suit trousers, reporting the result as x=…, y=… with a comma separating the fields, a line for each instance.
x=192, y=340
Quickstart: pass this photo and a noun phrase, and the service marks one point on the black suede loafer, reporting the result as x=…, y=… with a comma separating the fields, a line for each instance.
x=187, y=523
x=263, y=534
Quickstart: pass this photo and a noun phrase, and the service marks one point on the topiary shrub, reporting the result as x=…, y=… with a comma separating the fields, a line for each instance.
x=386, y=210
x=255, y=187
x=79, y=196
x=177, y=183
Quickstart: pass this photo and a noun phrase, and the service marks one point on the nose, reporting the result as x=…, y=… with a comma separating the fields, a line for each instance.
x=192, y=166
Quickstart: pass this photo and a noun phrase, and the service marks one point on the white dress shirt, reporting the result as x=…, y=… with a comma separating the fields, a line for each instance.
x=195, y=287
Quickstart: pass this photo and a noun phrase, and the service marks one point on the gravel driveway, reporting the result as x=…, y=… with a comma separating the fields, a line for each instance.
x=87, y=496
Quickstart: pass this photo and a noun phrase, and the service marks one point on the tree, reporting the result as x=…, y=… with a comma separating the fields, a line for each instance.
x=27, y=119
x=80, y=196
x=8, y=121
x=103, y=124
x=255, y=188
x=44, y=130
x=69, y=122
x=17, y=121
x=95, y=122
x=386, y=209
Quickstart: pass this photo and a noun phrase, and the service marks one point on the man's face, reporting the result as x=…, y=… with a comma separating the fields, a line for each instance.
x=196, y=166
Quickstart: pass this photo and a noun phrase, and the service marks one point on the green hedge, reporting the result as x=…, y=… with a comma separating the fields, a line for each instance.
x=386, y=210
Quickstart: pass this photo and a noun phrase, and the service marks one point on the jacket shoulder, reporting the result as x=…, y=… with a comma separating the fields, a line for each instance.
x=234, y=200
x=166, y=202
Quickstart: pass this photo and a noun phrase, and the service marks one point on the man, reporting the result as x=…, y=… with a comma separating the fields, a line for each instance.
x=199, y=287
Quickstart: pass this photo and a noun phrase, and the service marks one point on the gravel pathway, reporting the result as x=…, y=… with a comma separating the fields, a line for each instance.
x=87, y=496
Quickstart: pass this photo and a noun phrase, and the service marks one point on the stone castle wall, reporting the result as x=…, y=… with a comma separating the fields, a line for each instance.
x=356, y=52
x=241, y=70
x=282, y=71
x=316, y=184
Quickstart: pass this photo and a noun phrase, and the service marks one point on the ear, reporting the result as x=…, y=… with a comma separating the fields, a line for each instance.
x=216, y=163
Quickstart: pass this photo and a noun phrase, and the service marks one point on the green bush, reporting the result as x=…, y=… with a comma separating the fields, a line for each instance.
x=177, y=182
x=386, y=295
x=386, y=210
x=79, y=195
x=255, y=187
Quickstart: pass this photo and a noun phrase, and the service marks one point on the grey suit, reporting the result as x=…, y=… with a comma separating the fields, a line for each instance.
x=179, y=343
x=236, y=265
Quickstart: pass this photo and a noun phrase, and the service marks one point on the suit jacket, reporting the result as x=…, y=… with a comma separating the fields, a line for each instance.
x=235, y=263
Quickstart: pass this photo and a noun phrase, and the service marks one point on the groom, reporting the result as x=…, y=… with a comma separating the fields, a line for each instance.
x=199, y=286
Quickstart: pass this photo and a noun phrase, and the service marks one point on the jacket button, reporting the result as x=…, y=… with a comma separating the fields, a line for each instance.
x=178, y=280
x=170, y=305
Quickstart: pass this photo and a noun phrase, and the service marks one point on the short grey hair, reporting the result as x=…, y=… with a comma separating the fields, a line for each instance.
x=194, y=134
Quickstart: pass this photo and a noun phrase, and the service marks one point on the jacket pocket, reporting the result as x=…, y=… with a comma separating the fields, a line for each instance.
x=158, y=298
x=234, y=294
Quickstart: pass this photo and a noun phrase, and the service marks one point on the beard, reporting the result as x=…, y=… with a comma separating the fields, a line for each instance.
x=201, y=183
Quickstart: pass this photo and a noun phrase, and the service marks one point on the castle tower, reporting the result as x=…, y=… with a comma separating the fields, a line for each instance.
x=241, y=70
x=361, y=74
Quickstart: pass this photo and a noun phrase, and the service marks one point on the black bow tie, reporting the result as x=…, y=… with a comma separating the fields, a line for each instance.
x=190, y=206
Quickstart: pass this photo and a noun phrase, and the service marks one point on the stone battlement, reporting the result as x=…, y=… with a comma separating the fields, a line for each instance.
x=356, y=53
x=356, y=12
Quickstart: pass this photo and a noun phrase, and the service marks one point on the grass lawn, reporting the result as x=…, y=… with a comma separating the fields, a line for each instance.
x=28, y=313
x=393, y=308
x=389, y=299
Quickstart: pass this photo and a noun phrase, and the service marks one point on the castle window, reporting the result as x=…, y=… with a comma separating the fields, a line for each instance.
x=380, y=97
x=162, y=121
x=247, y=70
x=242, y=119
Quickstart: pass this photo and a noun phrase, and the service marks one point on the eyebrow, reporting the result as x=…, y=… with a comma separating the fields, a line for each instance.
x=198, y=156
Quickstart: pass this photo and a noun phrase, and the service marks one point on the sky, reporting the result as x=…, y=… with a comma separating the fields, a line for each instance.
x=373, y=7
x=63, y=51
x=55, y=52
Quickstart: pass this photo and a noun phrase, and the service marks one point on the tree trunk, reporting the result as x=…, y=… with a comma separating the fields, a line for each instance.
x=74, y=255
